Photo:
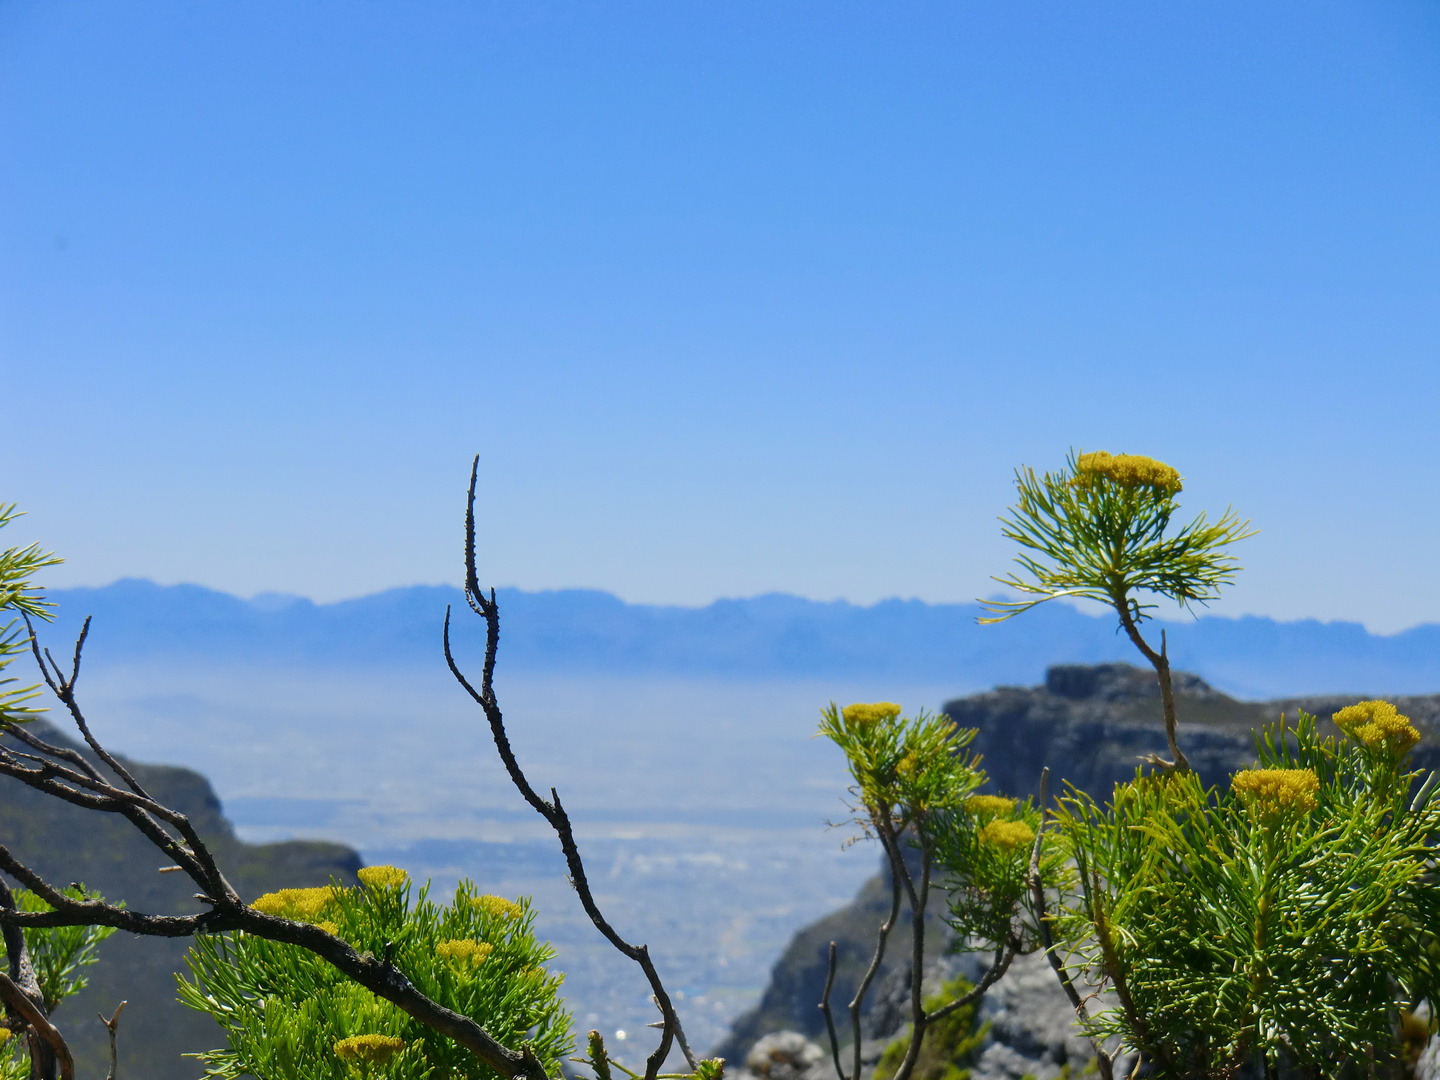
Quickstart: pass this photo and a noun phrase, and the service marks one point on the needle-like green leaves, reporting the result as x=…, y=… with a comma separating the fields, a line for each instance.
x=1099, y=529
x=1289, y=915
x=18, y=594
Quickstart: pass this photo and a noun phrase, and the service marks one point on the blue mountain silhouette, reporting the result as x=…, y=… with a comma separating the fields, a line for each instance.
x=764, y=637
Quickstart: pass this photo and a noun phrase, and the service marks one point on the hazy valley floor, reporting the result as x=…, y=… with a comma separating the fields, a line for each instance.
x=701, y=804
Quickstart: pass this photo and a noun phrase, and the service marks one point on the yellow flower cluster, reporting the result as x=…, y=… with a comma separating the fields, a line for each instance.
x=465, y=954
x=1007, y=834
x=869, y=715
x=497, y=907
x=989, y=804
x=299, y=904
x=383, y=877
x=329, y=927
x=5, y=1034
x=1377, y=723
x=369, y=1049
x=1275, y=791
x=1127, y=470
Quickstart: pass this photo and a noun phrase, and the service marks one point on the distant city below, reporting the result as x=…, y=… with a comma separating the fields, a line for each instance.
x=773, y=637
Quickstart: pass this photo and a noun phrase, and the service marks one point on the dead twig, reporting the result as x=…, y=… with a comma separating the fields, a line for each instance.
x=1104, y=1062
x=20, y=1003
x=551, y=810
x=110, y=1025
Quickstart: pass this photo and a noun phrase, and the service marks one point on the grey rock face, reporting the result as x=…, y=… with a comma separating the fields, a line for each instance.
x=1033, y=1031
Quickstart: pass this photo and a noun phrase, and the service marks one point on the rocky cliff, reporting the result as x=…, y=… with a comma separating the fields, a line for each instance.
x=103, y=851
x=1090, y=725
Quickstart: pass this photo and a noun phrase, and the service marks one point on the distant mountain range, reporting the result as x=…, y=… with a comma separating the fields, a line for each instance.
x=764, y=637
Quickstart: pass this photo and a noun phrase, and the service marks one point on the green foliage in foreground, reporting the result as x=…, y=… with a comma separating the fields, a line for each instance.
x=1290, y=915
x=18, y=594
x=289, y=1015
x=915, y=782
x=950, y=1045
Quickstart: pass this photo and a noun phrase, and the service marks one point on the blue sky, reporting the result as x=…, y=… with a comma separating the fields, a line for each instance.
x=729, y=297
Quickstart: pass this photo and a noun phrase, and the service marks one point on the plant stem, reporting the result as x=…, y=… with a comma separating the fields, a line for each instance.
x=1161, y=662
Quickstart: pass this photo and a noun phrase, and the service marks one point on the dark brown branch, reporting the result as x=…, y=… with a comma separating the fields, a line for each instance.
x=17, y=954
x=830, y=1015
x=551, y=811
x=1104, y=1062
x=378, y=976
x=1003, y=958
x=108, y=799
x=23, y=979
x=882, y=936
x=110, y=1026
x=19, y=1002
x=82, y=785
x=1160, y=661
x=64, y=689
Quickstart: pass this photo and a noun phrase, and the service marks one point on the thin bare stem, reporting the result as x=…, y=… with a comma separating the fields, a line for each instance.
x=919, y=900
x=830, y=1015
x=882, y=936
x=1003, y=958
x=1042, y=920
x=550, y=810
x=110, y=1026
x=1160, y=661
x=47, y=1045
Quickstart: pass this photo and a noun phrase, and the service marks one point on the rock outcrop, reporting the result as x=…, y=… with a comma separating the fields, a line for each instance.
x=104, y=851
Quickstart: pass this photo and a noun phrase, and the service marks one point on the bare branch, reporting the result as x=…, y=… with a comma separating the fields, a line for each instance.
x=882, y=936
x=1103, y=1061
x=1003, y=958
x=377, y=975
x=830, y=1015
x=919, y=900
x=65, y=690
x=553, y=812
x=16, y=999
x=110, y=1026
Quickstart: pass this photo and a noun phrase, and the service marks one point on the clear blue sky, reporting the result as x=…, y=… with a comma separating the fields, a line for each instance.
x=730, y=297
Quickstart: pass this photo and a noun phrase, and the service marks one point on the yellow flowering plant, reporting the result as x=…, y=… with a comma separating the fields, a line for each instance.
x=914, y=790
x=290, y=1015
x=1286, y=917
x=1100, y=529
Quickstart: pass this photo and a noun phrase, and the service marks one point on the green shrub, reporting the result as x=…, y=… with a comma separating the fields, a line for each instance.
x=290, y=1015
x=1288, y=915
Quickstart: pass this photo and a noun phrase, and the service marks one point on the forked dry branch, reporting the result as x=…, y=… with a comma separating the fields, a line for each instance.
x=552, y=811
